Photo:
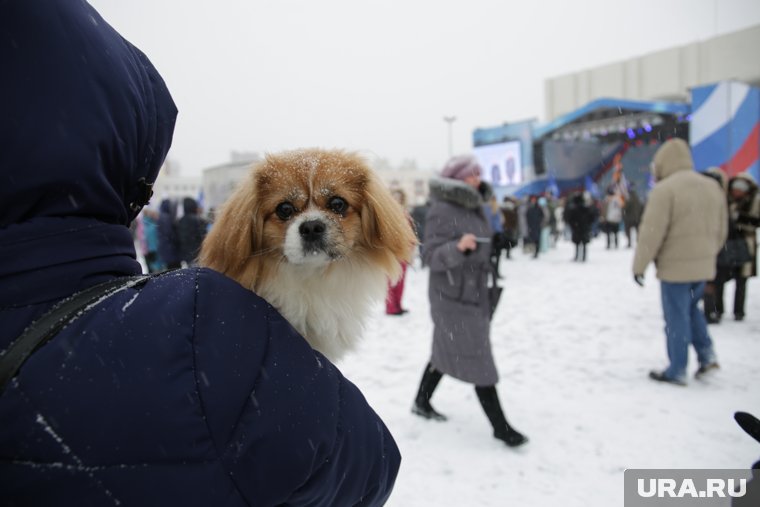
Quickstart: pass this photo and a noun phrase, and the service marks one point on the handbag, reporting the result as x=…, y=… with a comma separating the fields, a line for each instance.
x=734, y=253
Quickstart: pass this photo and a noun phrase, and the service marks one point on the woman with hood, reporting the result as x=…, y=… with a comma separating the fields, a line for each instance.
x=744, y=214
x=457, y=251
x=189, y=390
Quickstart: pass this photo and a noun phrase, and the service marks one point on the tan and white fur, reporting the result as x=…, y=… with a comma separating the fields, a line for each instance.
x=318, y=235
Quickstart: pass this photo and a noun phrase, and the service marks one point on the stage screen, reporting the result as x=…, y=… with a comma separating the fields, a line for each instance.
x=501, y=163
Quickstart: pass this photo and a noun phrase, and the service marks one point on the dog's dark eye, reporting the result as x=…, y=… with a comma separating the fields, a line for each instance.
x=337, y=205
x=285, y=210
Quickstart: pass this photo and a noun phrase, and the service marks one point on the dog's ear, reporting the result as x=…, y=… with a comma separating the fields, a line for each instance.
x=386, y=227
x=235, y=237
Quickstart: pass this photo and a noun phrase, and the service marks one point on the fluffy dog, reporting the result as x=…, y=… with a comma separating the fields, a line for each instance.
x=318, y=235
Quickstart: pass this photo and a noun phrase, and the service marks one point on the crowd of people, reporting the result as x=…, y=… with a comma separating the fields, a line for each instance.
x=695, y=260
x=171, y=236
x=537, y=222
x=685, y=228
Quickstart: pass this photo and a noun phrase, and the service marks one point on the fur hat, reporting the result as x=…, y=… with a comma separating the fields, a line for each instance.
x=739, y=184
x=460, y=167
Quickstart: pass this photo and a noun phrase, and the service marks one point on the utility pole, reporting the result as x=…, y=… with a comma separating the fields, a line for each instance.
x=450, y=120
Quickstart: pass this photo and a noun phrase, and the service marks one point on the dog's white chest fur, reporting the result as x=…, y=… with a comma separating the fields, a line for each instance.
x=328, y=305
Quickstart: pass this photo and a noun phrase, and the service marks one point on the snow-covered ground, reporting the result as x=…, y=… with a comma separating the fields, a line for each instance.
x=573, y=344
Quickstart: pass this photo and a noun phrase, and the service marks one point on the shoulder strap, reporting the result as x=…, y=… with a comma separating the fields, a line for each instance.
x=43, y=329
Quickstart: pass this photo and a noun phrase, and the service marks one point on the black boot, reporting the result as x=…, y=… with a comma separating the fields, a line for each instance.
x=739, y=296
x=489, y=400
x=429, y=382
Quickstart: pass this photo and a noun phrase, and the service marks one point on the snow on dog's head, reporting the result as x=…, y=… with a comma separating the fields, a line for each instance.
x=315, y=222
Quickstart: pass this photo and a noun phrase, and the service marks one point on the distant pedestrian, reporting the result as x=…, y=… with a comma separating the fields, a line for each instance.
x=191, y=229
x=713, y=309
x=545, y=237
x=459, y=300
x=396, y=290
x=612, y=215
x=511, y=224
x=632, y=215
x=535, y=220
x=682, y=230
x=148, y=219
x=168, y=238
x=744, y=219
x=579, y=215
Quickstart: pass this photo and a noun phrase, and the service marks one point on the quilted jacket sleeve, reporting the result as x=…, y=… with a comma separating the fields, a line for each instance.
x=289, y=428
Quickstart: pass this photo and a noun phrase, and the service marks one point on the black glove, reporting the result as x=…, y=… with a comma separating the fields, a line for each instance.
x=639, y=279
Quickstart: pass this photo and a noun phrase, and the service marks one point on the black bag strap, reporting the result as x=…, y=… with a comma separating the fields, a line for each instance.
x=46, y=327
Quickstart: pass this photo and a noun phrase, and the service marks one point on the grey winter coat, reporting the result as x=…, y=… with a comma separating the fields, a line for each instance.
x=458, y=282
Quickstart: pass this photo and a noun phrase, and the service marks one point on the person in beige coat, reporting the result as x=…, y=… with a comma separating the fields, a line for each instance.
x=683, y=228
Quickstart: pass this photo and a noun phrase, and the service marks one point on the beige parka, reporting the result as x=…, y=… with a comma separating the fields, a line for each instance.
x=685, y=221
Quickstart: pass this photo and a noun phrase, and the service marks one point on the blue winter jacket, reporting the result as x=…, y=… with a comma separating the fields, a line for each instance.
x=189, y=391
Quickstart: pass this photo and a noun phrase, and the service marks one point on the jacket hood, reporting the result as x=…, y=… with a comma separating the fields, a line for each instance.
x=460, y=193
x=87, y=122
x=673, y=156
x=189, y=206
x=87, y=119
x=168, y=207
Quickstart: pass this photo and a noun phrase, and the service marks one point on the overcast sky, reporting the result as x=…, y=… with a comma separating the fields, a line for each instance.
x=378, y=76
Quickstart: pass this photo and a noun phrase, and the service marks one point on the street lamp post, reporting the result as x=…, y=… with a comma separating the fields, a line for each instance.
x=450, y=120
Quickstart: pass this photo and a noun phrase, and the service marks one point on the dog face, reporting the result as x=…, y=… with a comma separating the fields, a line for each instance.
x=311, y=207
x=308, y=210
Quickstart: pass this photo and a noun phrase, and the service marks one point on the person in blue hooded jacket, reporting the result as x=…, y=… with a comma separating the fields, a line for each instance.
x=188, y=391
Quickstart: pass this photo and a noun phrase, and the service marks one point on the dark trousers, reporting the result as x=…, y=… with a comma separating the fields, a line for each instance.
x=740, y=294
x=612, y=228
x=628, y=229
x=580, y=252
x=497, y=245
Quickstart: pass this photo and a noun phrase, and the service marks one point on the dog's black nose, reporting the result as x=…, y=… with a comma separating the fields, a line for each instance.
x=312, y=230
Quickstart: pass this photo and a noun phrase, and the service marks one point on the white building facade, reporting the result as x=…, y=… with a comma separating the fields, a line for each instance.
x=663, y=75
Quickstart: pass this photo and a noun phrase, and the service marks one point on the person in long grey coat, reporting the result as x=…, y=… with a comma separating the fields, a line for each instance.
x=457, y=243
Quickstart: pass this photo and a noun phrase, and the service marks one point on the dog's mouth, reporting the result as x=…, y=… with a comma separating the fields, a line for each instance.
x=314, y=255
x=320, y=253
x=311, y=242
